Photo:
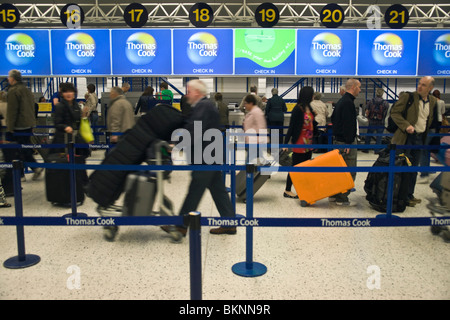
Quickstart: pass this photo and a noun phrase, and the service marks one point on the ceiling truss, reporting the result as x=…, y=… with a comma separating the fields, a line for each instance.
x=230, y=14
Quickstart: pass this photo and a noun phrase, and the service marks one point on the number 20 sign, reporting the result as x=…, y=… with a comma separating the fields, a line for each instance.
x=332, y=15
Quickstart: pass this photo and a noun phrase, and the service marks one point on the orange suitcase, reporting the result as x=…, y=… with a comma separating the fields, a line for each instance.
x=314, y=186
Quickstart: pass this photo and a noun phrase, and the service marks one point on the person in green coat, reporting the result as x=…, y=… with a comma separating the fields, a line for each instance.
x=165, y=94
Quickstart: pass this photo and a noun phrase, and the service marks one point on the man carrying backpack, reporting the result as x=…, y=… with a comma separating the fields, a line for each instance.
x=376, y=110
x=413, y=126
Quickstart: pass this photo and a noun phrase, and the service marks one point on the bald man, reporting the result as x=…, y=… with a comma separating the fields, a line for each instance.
x=344, y=131
x=414, y=127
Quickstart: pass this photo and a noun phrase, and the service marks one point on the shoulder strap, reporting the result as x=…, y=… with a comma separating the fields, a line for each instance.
x=410, y=100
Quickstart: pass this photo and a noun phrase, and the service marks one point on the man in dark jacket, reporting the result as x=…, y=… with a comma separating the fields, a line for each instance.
x=275, y=109
x=204, y=116
x=21, y=116
x=344, y=130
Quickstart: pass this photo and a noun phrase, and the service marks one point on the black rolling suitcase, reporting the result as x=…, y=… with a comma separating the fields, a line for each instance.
x=144, y=191
x=57, y=181
x=241, y=183
x=376, y=184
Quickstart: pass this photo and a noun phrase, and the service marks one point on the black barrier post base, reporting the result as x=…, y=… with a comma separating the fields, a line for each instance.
x=25, y=261
x=249, y=268
x=22, y=260
x=195, y=252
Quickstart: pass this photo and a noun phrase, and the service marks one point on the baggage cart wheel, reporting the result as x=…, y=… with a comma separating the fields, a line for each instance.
x=445, y=234
x=303, y=203
x=109, y=233
x=435, y=230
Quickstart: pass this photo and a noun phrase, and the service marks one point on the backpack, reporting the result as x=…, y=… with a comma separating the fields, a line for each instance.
x=375, y=107
x=376, y=184
x=391, y=125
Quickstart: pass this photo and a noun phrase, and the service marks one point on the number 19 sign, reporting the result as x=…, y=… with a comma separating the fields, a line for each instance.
x=267, y=15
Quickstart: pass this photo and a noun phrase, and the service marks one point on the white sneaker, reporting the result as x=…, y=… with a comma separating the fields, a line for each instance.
x=423, y=180
x=37, y=173
x=109, y=211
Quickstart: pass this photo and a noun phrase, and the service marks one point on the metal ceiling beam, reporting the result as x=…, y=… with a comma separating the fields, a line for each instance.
x=229, y=14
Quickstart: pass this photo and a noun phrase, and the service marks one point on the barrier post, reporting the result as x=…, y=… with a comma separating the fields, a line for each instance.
x=249, y=268
x=330, y=135
x=73, y=185
x=233, y=175
x=22, y=260
x=195, y=252
x=390, y=186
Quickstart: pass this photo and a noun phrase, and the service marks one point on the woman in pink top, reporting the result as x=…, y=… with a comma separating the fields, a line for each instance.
x=255, y=125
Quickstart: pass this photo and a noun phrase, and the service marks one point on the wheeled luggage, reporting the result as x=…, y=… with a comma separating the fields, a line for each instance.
x=440, y=207
x=314, y=186
x=363, y=123
x=285, y=158
x=144, y=191
x=376, y=184
x=57, y=181
x=241, y=183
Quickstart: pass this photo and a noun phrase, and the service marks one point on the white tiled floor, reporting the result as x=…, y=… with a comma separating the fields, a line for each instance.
x=302, y=263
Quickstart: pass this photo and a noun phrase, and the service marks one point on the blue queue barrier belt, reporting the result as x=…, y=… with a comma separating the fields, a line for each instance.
x=249, y=268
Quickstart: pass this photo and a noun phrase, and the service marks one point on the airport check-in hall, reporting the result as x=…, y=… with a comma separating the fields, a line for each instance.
x=253, y=152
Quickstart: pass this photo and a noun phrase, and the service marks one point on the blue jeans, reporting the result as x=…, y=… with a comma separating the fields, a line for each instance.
x=377, y=131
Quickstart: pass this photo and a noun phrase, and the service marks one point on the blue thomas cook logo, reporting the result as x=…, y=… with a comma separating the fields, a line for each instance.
x=441, y=51
x=80, y=48
x=141, y=48
x=387, y=49
x=202, y=48
x=20, y=49
x=326, y=48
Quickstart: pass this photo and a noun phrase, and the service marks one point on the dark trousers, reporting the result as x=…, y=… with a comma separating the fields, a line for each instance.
x=93, y=118
x=351, y=160
x=212, y=180
x=25, y=155
x=296, y=159
x=414, y=155
x=280, y=132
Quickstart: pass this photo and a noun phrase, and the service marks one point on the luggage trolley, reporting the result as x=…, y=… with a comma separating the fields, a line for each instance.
x=440, y=207
x=144, y=191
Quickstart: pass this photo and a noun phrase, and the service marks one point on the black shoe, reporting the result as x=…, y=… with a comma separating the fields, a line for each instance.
x=223, y=230
x=169, y=229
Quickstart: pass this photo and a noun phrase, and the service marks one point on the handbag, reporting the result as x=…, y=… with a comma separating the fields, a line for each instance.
x=86, y=130
x=445, y=123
